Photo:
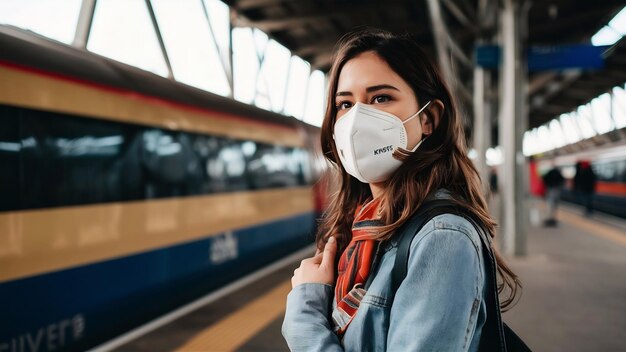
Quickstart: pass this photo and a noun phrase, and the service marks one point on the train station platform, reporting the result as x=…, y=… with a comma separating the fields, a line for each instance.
x=573, y=297
x=573, y=284
x=151, y=154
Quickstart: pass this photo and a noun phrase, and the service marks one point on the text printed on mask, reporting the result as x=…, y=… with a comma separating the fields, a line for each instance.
x=383, y=150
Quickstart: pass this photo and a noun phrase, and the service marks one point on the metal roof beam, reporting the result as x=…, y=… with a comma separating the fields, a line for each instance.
x=539, y=81
x=460, y=16
x=602, y=82
x=83, y=27
x=252, y=4
x=313, y=49
x=614, y=74
x=225, y=58
x=554, y=109
x=273, y=25
x=617, y=58
x=571, y=20
x=288, y=22
x=469, y=7
x=553, y=88
x=459, y=54
x=321, y=61
x=157, y=31
x=325, y=46
x=441, y=34
x=487, y=14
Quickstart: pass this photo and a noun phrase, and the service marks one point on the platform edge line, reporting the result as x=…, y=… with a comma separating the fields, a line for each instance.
x=202, y=301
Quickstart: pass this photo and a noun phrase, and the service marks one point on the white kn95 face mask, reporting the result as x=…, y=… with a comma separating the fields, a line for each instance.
x=366, y=138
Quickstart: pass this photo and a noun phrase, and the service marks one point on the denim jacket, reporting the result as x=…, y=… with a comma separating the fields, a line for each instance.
x=440, y=305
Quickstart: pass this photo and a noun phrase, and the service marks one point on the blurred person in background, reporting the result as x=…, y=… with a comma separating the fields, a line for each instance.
x=493, y=181
x=554, y=182
x=585, y=185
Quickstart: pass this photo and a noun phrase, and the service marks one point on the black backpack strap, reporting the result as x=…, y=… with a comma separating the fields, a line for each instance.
x=492, y=337
x=407, y=232
x=495, y=334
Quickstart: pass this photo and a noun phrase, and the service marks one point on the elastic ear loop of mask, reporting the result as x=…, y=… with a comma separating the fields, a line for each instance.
x=417, y=114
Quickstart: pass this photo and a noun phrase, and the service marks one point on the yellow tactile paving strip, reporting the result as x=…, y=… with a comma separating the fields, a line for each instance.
x=240, y=326
x=597, y=229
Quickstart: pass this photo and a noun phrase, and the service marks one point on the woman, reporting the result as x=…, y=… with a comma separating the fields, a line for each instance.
x=393, y=132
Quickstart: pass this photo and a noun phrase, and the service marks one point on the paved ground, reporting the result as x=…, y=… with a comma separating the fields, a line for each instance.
x=574, y=296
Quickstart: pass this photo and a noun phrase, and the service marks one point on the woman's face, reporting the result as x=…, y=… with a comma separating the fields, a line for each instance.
x=368, y=79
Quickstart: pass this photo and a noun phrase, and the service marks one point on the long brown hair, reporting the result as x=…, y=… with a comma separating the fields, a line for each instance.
x=441, y=162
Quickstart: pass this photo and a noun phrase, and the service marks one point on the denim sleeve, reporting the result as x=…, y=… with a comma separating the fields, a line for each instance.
x=436, y=306
x=306, y=326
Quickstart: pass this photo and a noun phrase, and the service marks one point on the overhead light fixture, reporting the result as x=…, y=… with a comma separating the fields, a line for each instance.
x=612, y=32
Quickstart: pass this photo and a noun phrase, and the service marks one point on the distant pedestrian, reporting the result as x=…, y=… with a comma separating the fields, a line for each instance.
x=493, y=181
x=585, y=185
x=554, y=182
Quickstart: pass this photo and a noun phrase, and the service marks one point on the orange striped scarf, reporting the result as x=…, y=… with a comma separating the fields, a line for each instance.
x=355, y=265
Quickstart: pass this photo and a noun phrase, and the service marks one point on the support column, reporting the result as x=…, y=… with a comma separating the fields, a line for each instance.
x=512, y=124
x=483, y=96
x=441, y=38
x=231, y=72
x=157, y=31
x=481, y=125
x=83, y=27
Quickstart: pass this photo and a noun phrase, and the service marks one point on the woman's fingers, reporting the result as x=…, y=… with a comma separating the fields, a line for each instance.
x=316, y=259
x=328, y=256
x=318, y=268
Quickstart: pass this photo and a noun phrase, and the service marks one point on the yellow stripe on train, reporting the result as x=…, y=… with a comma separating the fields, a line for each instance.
x=37, y=241
x=39, y=91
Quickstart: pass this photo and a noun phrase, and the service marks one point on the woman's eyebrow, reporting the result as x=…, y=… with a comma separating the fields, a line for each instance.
x=370, y=89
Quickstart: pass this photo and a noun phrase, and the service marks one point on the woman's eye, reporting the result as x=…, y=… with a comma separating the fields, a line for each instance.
x=344, y=105
x=381, y=99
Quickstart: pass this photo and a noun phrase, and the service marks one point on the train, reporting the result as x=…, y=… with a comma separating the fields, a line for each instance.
x=609, y=165
x=124, y=195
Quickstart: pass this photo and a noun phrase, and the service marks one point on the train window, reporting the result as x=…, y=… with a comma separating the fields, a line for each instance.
x=232, y=158
x=300, y=165
x=168, y=159
x=621, y=171
x=10, y=147
x=273, y=166
x=604, y=171
x=68, y=160
x=71, y=161
x=123, y=31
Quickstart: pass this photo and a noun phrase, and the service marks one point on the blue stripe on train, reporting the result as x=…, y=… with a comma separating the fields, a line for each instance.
x=78, y=308
x=609, y=204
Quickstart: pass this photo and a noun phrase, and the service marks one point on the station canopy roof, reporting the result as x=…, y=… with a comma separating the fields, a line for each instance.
x=310, y=29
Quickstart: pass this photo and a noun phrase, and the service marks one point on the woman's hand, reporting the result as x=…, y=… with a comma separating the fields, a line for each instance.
x=318, y=269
